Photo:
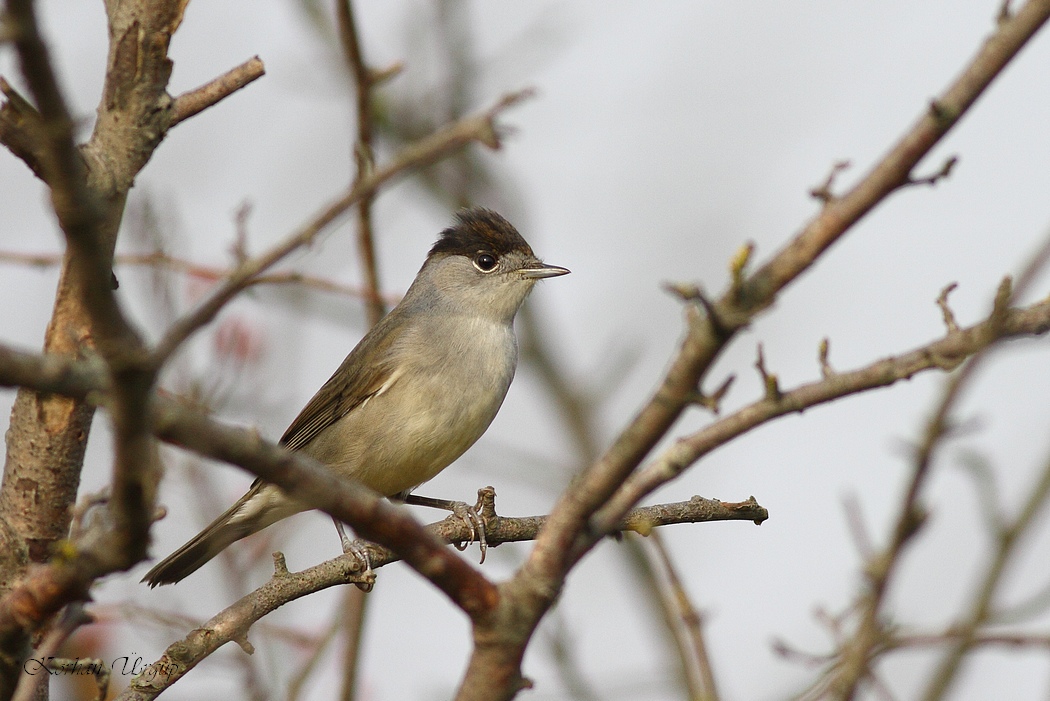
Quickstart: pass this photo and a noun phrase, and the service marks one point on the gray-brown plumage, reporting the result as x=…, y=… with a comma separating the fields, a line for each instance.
x=418, y=390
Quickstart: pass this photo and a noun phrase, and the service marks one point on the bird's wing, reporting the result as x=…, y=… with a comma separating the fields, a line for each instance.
x=345, y=390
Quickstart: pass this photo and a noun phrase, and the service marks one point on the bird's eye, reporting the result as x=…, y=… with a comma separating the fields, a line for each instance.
x=485, y=262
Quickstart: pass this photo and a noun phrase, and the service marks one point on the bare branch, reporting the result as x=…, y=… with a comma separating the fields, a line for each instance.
x=690, y=622
x=233, y=623
x=946, y=354
x=87, y=202
x=854, y=664
x=481, y=128
x=201, y=98
x=558, y=547
x=895, y=168
x=941, y=174
x=364, y=155
x=966, y=633
x=823, y=192
x=159, y=259
x=946, y=311
x=1017, y=640
x=20, y=127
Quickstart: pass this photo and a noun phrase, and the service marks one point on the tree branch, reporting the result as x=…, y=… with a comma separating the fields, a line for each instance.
x=88, y=187
x=569, y=535
x=307, y=480
x=854, y=663
x=159, y=259
x=481, y=128
x=944, y=354
x=201, y=98
x=233, y=623
x=364, y=155
x=20, y=127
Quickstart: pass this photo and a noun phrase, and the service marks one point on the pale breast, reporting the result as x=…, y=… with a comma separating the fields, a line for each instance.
x=452, y=384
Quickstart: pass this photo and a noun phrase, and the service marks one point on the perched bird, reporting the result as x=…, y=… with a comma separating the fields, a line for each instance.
x=417, y=391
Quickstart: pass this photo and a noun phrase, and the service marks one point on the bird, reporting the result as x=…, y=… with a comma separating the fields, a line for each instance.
x=422, y=385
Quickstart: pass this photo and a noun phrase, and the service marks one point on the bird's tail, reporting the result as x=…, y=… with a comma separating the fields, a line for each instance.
x=214, y=539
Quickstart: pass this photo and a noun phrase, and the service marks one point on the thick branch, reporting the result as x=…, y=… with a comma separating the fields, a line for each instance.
x=307, y=480
x=88, y=187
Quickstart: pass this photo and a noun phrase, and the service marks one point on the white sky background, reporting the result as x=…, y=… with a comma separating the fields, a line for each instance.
x=663, y=137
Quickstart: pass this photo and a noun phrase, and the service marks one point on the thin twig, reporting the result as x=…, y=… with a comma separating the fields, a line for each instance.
x=198, y=271
x=855, y=663
x=946, y=353
x=946, y=311
x=201, y=98
x=966, y=633
x=690, y=621
x=364, y=154
x=560, y=546
x=481, y=128
x=233, y=623
x=944, y=172
x=823, y=191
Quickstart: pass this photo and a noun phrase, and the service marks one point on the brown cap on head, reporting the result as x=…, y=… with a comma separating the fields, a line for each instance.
x=478, y=229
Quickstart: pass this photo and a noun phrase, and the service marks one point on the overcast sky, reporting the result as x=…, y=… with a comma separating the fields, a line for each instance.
x=663, y=136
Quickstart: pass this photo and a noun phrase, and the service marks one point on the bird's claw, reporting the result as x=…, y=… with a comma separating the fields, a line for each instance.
x=470, y=516
x=364, y=562
x=360, y=551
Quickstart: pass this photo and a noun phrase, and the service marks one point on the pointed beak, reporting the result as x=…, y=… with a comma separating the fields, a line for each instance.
x=538, y=271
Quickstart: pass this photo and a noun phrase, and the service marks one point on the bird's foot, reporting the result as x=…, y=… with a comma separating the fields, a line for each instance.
x=470, y=516
x=359, y=549
x=465, y=513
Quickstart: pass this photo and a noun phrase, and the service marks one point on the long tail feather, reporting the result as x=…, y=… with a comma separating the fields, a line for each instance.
x=208, y=543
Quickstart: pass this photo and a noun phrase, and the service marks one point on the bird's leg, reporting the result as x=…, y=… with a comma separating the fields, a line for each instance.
x=465, y=512
x=352, y=546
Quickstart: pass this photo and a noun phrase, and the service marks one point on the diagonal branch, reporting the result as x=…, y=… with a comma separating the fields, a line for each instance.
x=304, y=479
x=945, y=354
x=747, y=296
x=481, y=128
x=201, y=98
x=20, y=128
x=569, y=533
x=854, y=664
